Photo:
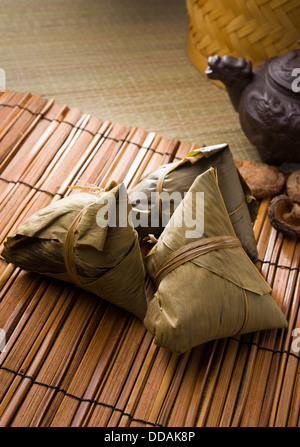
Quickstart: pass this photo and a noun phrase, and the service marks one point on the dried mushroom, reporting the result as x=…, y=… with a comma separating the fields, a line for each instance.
x=264, y=180
x=284, y=215
x=293, y=186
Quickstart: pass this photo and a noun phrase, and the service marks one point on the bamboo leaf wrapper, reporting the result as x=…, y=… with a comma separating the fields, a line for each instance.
x=178, y=177
x=207, y=287
x=99, y=257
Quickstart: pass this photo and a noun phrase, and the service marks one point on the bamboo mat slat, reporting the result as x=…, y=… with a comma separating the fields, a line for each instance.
x=72, y=359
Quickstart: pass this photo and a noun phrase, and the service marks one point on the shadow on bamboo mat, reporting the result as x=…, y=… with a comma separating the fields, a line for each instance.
x=71, y=359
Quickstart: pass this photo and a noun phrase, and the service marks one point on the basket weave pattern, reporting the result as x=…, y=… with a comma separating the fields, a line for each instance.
x=254, y=29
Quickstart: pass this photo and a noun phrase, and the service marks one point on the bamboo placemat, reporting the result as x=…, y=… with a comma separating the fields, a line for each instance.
x=72, y=359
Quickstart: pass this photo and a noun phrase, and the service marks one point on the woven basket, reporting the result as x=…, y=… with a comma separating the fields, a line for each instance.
x=254, y=29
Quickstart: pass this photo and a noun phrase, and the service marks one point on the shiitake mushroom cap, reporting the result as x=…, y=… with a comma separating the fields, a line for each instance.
x=293, y=186
x=263, y=180
x=284, y=215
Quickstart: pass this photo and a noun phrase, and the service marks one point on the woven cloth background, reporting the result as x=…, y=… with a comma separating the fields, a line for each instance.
x=123, y=60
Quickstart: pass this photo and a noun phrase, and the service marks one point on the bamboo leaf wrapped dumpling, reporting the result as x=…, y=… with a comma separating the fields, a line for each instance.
x=207, y=286
x=176, y=178
x=85, y=239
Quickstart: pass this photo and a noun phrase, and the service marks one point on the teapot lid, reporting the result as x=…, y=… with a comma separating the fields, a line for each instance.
x=281, y=69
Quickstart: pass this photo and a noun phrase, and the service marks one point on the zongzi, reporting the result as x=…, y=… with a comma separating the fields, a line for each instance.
x=86, y=239
x=207, y=286
x=155, y=197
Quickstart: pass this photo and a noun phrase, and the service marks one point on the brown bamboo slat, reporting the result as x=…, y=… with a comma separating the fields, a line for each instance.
x=12, y=211
x=73, y=336
x=222, y=385
x=35, y=141
x=279, y=362
x=12, y=134
x=112, y=385
x=24, y=355
x=99, y=372
x=72, y=359
x=52, y=401
x=14, y=108
x=148, y=151
x=186, y=391
x=36, y=116
x=139, y=385
x=247, y=394
x=270, y=340
x=7, y=100
x=174, y=387
x=192, y=413
x=138, y=373
x=236, y=383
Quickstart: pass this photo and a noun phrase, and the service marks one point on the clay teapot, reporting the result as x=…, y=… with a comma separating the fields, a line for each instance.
x=267, y=99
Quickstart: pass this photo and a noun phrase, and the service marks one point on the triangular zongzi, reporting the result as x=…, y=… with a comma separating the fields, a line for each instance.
x=207, y=286
x=158, y=193
x=85, y=239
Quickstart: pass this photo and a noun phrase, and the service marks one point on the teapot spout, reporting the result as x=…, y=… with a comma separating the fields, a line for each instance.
x=234, y=72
